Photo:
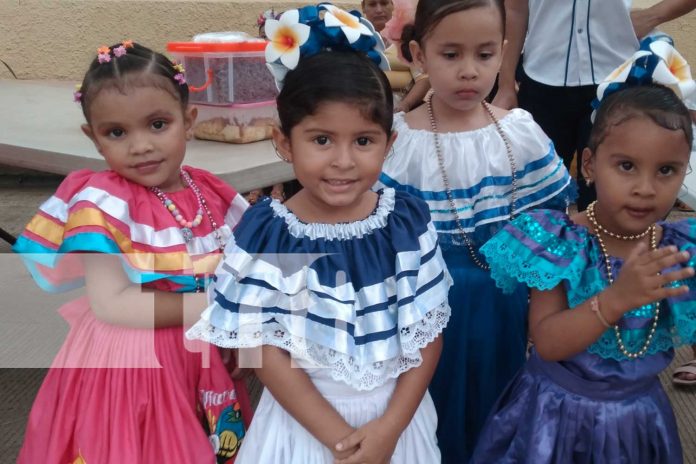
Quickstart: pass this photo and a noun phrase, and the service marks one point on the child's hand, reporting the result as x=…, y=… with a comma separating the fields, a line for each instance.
x=374, y=443
x=638, y=282
x=341, y=456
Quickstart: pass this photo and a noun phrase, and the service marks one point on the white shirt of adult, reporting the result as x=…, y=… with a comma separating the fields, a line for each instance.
x=577, y=42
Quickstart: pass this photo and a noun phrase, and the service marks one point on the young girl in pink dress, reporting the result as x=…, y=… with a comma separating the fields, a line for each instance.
x=126, y=387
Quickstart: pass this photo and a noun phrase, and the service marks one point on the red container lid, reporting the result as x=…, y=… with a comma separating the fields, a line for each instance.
x=216, y=47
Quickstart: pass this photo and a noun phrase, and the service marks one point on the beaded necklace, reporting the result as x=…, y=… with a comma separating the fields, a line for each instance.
x=187, y=226
x=445, y=178
x=599, y=229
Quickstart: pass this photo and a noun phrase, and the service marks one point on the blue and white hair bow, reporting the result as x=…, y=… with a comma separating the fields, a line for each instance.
x=658, y=62
x=308, y=30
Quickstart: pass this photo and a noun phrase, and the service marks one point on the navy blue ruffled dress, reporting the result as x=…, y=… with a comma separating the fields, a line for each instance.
x=353, y=303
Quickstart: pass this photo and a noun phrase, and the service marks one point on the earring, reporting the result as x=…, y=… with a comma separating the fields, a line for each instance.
x=278, y=154
x=588, y=182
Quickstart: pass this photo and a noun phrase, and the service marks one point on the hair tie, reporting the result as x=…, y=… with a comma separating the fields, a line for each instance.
x=656, y=62
x=306, y=31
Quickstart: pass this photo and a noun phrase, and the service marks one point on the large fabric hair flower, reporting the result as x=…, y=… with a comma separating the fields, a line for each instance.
x=350, y=24
x=306, y=31
x=657, y=61
x=404, y=13
x=286, y=36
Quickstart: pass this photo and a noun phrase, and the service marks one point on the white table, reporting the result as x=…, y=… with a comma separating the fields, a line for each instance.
x=40, y=129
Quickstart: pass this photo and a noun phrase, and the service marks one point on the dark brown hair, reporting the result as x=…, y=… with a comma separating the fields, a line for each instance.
x=653, y=101
x=140, y=66
x=429, y=13
x=335, y=76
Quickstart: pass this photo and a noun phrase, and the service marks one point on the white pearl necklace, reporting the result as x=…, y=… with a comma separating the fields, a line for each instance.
x=445, y=178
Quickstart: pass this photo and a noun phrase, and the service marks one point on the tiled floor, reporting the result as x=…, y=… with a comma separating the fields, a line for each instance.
x=18, y=201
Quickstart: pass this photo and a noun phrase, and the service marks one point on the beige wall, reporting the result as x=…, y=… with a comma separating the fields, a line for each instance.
x=56, y=39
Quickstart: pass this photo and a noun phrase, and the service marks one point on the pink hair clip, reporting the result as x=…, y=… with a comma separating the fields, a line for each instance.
x=104, y=54
x=77, y=95
x=180, y=78
x=119, y=51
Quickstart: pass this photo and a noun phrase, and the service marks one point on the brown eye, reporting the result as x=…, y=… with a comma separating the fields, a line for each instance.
x=667, y=170
x=321, y=140
x=626, y=166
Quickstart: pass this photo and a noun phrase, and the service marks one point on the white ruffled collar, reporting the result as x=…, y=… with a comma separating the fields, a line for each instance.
x=340, y=231
x=514, y=114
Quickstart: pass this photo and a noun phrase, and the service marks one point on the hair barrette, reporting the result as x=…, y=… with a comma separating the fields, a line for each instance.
x=656, y=62
x=180, y=75
x=311, y=29
x=77, y=95
x=104, y=52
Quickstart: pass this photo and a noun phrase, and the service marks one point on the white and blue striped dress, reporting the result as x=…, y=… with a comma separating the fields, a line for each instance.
x=353, y=303
x=485, y=341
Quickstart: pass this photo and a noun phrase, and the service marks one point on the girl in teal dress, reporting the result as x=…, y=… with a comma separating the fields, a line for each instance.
x=590, y=392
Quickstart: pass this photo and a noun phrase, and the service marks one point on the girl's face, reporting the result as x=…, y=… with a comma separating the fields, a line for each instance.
x=637, y=169
x=337, y=155
x=462, y=56
x=141, y=134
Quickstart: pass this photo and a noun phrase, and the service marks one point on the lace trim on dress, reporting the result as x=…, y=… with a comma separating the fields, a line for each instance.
x=344, y=368
x=341, y=231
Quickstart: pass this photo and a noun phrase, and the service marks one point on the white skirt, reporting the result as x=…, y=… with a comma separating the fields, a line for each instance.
x=275, y=437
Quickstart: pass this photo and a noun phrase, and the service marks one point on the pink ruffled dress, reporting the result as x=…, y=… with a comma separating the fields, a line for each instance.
x=117, y=394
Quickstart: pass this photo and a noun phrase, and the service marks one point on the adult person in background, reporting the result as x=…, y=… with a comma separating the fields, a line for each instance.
x=570, y=46
x=378, y=12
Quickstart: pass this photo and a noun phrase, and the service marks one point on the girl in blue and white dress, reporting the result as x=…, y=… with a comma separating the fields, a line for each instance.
x=345, y=283
x=613, y=288
x=476, y=166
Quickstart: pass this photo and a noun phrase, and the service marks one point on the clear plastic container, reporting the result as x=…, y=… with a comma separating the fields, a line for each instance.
x=242, y=123
x=225, y=73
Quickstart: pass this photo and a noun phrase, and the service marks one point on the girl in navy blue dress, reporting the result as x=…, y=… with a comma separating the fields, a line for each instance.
x=590, y=391
x=345, y=284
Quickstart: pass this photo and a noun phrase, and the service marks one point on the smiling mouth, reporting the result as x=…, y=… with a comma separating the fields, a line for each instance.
x=339, y=182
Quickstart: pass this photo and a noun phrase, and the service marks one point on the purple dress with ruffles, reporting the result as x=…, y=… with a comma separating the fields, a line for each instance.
x=598, y=406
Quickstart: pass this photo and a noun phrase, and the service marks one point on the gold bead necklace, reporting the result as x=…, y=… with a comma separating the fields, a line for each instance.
x=652, y=230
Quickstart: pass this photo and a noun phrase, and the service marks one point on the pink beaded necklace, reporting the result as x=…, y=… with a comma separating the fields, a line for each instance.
x=186, y=225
